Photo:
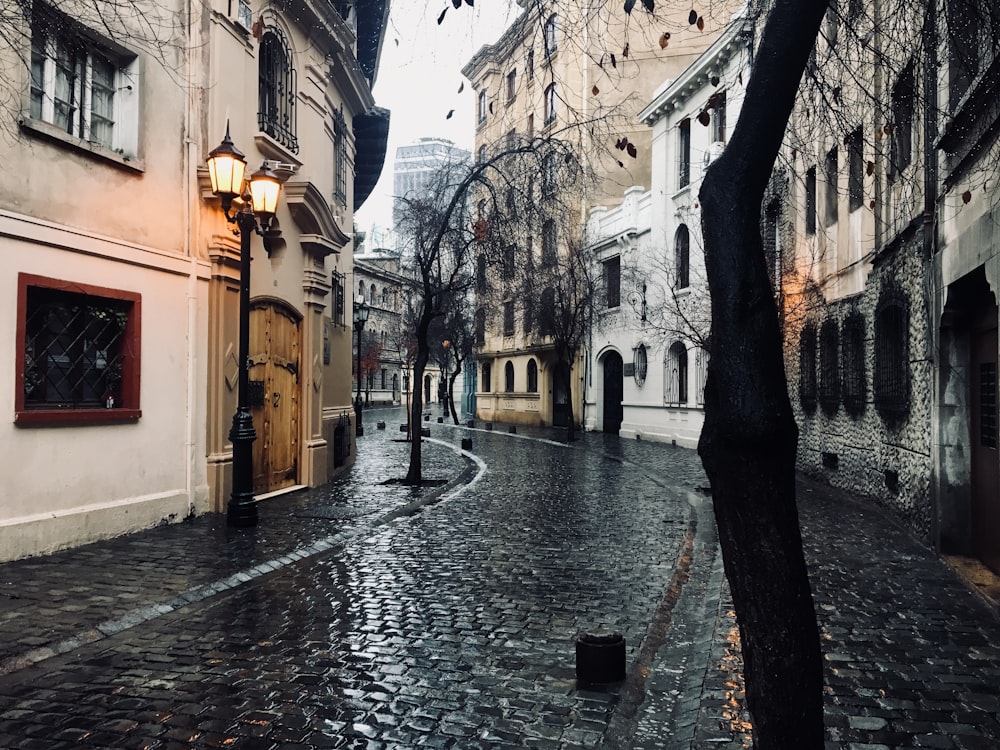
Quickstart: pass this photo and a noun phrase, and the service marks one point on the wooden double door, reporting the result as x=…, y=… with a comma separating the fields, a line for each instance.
x=274, y=395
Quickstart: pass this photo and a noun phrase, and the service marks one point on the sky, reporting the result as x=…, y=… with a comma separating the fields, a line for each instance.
x=419, y=78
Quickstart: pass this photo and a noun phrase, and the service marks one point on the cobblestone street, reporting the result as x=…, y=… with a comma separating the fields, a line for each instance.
x=368, y=615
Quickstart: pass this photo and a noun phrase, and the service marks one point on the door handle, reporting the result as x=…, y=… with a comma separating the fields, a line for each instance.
x=275, y=399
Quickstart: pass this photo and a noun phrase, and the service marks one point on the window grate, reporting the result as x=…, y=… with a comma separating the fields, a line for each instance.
x=807, y=369
x=676, y=375
x=277, y=90
x=891, y=378
x=74, y=350
x=612, y=281
x=829, y=368
x=852, y=351
x=988, y=404
x=682, y=257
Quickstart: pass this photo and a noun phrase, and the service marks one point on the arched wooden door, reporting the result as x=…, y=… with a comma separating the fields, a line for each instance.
x=274, y=395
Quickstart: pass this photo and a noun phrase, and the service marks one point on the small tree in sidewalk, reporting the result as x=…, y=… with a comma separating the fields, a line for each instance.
x=456, y=335
x=453, y=242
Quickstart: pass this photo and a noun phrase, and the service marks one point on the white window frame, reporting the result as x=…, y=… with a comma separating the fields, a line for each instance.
x=551, y=39
x=124, y=95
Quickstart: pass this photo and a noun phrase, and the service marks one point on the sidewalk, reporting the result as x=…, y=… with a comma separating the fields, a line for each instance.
x=53, y=603
x=912, y=655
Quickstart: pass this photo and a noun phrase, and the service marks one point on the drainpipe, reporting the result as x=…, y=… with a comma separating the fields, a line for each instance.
x=191, y=194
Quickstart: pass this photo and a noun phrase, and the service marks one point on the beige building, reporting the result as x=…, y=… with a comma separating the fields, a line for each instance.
x=581, y=78
x=301, y=99
x=121, y=271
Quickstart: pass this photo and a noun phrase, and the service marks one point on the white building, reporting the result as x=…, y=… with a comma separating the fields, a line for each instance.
x=649, y=355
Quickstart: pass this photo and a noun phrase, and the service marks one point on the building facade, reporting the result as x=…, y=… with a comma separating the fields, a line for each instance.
x=415, y=171
x=548, y=73
x=123, y=299
x=384, y=342
x=964, y=283
x=652, y=316
x=301, y=99
x=890, y=312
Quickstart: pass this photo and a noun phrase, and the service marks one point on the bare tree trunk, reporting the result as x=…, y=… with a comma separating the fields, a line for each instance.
x=414, y=474
x=749, y=440
x=451, y=391
x=571, y=428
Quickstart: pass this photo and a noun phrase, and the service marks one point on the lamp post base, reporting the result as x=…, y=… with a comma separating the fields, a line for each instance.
x=359, y=429
x=242, y=511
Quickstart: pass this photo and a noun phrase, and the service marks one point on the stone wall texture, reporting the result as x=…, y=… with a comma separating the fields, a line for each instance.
x=888, y=462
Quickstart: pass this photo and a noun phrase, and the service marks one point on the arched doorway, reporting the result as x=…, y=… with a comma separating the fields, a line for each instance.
x=427, y=389
x=969, y=515
x=984, y=458
x=614, y=391
x=274, y=394
x=561, y=402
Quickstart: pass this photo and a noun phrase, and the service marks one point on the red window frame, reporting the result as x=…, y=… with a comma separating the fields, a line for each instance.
x=129, y=410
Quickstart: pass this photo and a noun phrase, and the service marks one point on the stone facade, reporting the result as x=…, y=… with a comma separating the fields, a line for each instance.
x=886, y=459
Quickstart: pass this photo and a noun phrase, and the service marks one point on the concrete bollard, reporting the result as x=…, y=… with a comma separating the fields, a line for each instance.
x=600, y=659
x=466, y=444
x=489, y=425
x=427, y=417
x=380, y=426
x=404, y=427
x=512, y=430
x=440, y=420
x=471, y=423
x=425, y=432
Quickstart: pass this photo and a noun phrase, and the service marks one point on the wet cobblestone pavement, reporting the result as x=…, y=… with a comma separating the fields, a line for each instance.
x=369, y=615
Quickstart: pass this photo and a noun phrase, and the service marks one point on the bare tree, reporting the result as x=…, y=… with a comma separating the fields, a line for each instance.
x=455, y=247
x=749, y=439
x=457, y=341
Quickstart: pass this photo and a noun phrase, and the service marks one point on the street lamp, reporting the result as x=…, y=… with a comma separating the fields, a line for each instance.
x=361, y=311
x=227, y=167
x=443, y=388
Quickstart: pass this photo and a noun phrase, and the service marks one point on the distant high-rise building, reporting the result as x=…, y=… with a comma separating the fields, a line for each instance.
x=415, y=167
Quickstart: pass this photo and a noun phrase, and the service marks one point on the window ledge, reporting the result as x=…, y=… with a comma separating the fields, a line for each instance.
x=273, y=149
x=50, y=132
x=76, y=416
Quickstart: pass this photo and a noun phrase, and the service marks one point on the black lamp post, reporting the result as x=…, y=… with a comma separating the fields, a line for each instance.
x=226, y=167
x=361, y=311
